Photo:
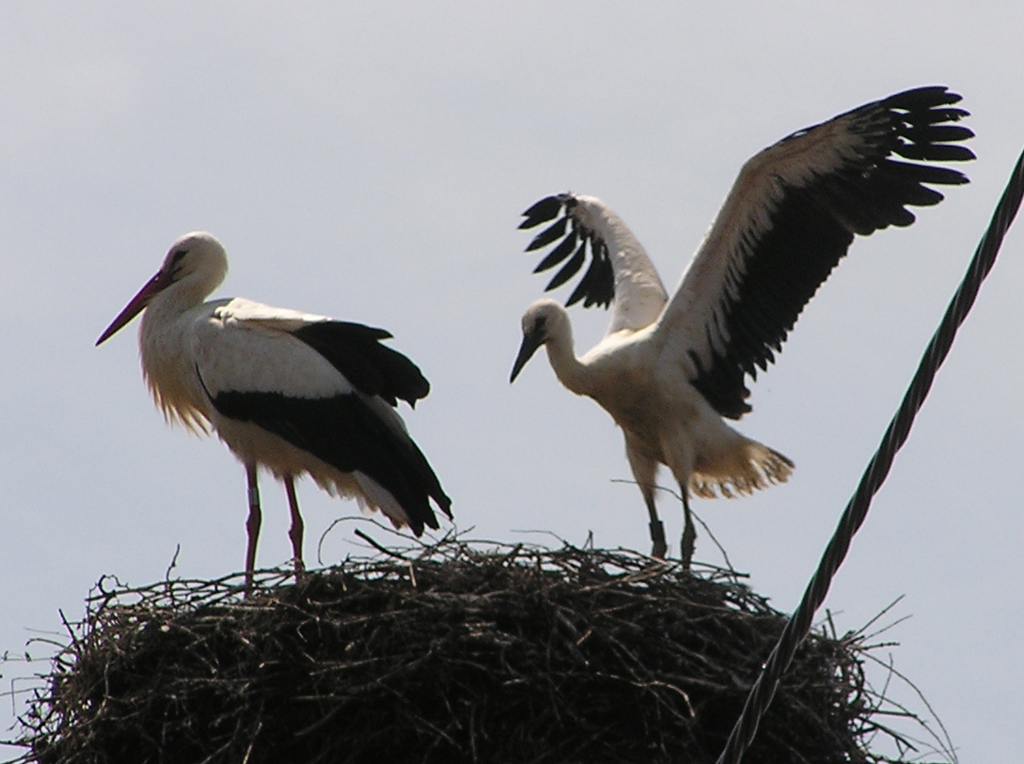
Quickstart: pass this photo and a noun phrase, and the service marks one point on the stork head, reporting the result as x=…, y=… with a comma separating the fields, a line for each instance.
x=196, y=264
x=542, y=322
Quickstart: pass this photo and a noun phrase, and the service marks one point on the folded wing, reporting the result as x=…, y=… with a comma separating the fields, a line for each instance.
x=326, y=387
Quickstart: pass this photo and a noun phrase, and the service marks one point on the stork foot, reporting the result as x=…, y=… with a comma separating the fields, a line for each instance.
x=297, y=529
x=659, y=548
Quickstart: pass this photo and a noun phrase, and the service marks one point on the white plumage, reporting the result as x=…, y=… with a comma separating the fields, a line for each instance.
x=293, y=392
x=668, y=370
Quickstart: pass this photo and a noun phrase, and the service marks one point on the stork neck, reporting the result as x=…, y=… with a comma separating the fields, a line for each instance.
x=562, y=357
x=168, y=365
x=176, y=300
x=161, y=335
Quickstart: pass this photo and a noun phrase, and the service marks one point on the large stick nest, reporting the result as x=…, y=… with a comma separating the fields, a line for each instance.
x=446, y=654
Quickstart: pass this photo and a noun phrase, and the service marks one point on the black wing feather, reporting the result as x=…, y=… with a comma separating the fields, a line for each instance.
x=568, y=270
x=343, y=431
x=372, y=368
x=542, y=211
x=597, y=287
x=598, y=283
x=934, y=116
x=558, y=254
x=555, y=231
x=939, y=153
x=937, y=133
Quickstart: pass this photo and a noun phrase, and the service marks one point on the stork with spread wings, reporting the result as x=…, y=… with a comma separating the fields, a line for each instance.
x=669, y=369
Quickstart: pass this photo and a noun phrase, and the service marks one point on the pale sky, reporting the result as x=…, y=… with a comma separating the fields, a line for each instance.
x=370, y=162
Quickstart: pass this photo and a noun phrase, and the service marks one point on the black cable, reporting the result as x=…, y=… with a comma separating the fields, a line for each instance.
x=796, y=630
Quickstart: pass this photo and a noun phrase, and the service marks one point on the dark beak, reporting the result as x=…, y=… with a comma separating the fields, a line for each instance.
x=153, y=287
x=530, y=344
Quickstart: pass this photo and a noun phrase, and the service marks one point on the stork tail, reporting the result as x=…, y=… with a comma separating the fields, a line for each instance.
x=750, y=467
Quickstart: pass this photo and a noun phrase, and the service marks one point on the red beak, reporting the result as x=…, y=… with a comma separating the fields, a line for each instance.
x=153, y=287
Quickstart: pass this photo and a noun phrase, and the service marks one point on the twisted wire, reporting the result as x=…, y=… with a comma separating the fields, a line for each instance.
x=799, y=625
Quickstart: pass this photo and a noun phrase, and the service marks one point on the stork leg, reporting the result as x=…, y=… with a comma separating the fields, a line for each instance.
x=658, y=547
x=252, y=524
x=689, y=540
x=679, y=452
x=644, y=471
x=297, y=529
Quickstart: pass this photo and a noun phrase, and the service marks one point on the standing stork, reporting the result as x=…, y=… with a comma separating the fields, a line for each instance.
x=290, y=391
x=668, y=370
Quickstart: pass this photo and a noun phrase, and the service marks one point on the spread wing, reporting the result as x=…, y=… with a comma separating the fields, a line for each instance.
x=619, y=269
x=788, y=220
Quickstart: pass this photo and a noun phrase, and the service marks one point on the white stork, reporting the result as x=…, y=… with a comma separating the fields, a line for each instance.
x=290, y=391
x=668, y=370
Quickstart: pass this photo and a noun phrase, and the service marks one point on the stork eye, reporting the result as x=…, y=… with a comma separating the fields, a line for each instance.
x=175, y=265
